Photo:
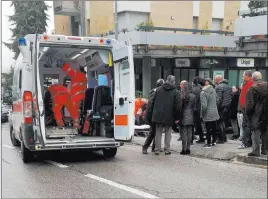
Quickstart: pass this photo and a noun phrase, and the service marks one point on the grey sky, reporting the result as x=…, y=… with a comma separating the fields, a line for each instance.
x=7, y=10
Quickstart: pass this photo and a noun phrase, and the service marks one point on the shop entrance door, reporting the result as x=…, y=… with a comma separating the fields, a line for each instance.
x=184, y=74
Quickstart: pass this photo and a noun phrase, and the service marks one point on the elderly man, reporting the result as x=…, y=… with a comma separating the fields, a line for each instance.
x=164, y=109
x=256, y=110
x=151, y=136
x=224, y=101
x=246, y=141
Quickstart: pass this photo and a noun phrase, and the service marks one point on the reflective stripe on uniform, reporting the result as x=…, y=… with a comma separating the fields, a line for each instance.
x=81, y=92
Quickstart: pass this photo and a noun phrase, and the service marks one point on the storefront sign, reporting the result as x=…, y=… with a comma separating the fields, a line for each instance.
x=247, y=62
x=182, y=62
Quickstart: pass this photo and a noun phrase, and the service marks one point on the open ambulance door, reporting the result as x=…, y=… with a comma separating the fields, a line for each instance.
x=124, y=91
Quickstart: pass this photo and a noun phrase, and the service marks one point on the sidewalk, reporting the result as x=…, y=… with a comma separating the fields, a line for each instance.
x=227, y=151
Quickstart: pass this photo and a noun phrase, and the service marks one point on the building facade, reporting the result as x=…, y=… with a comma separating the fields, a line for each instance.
x=99, y=17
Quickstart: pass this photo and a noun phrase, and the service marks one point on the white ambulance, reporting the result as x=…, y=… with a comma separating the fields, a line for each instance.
x=37, y=67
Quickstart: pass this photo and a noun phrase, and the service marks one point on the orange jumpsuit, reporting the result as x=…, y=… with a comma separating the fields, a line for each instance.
x=77, y=90
x=60, y=97
x=139, y=102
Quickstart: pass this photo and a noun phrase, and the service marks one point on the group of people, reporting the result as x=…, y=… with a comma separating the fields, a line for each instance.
x=213, y=104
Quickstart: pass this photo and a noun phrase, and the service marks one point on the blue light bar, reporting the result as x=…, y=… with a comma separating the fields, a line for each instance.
x=22, y=41
x=108, y=41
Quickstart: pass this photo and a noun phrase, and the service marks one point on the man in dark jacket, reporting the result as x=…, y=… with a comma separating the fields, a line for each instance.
x=164, y=109
x=225, y=98
x=233, y=112
x=196, y=90
x=256, y=110
x=151, y=135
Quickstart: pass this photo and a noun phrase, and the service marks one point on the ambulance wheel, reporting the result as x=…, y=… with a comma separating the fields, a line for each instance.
x=109, y=153
x=13, y=139
x=27, y=155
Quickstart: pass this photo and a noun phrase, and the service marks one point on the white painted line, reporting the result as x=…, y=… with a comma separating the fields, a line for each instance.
x=56, y=164
x=8, y=146
x=123, y=187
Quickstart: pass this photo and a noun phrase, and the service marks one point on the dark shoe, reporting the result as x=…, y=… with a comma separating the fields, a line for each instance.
x=167, y=153
x=253, y=155
x=200, y=141
x=207, y=146
x=153, y=150
x=234, y=137
x=144, y=151
x=156, y=153
x=183, y=152
x=264, y=153
x=161, y=150
x=214, y=145
x=187, y=152
x=179, y=139
x=220, y=142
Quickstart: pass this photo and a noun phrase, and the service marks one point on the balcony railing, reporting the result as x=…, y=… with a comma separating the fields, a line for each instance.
x=69, y=8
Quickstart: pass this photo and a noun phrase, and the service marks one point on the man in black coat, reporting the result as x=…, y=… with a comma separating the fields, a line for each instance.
x=233, y=112
x=225, y=98
x=196, y=91
x=164, y=109
x=151, y=135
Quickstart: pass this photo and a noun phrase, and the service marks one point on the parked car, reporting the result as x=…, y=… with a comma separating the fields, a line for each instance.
x=4, y=114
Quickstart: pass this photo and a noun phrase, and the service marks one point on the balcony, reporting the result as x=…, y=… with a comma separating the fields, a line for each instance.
x=69, y=8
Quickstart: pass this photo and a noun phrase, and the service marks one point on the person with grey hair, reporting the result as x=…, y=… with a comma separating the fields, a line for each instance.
x=163, y=110
x=224, y=93
x=256, y=111
x=246, y=140
x=151, y=136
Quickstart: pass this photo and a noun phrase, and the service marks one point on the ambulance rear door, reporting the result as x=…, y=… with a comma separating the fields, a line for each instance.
x=124, y=91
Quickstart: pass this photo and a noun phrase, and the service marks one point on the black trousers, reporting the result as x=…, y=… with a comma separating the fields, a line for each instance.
x=222, y=125
x=198, y=127
x=150, y=138
x=211, y=131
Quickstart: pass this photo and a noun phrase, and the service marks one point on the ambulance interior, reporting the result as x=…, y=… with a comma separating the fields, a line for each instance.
x=96, y=110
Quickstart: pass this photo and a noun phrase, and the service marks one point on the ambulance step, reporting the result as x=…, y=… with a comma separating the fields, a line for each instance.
x=55, y=132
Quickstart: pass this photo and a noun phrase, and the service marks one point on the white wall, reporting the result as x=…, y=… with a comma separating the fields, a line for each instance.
x=130, y=20
x=218, y=9
x=196, y=8
x=138, y=6
x=87, y=5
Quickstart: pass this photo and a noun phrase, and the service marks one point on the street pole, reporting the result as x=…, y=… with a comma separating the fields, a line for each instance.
x=115, y=20
x=82, y=19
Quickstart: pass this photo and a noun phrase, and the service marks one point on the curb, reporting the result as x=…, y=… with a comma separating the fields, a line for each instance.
x=213, y=155
x=252, y=160
x=220, y=155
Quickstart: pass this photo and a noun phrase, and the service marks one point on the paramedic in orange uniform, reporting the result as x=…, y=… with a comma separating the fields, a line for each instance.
x=78, y=88
x=60, y=97
x=139, y=102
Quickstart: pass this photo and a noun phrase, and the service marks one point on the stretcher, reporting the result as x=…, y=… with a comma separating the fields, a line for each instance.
x=142, y=130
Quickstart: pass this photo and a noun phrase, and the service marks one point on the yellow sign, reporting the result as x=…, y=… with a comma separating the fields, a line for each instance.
x=110, y=60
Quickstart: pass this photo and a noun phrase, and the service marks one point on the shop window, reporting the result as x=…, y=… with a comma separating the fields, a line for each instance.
x=177, y=74
x=184, y=74
x=233, y=78
x=204, y=74
x=191, y=74
x=264, y=75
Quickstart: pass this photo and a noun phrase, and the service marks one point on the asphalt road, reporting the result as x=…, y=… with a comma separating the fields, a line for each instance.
x=129, y=175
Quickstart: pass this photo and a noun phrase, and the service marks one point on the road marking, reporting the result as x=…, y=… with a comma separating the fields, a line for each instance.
x=56, y=164
x=8, y=146
x=123, y=187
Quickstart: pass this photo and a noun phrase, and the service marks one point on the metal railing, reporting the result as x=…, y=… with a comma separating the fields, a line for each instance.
x=194, y=31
